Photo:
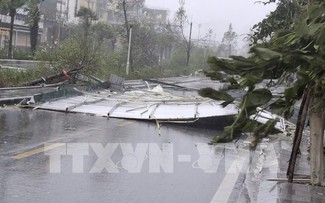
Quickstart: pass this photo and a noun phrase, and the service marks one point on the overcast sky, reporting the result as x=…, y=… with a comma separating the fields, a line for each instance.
x=217, y=14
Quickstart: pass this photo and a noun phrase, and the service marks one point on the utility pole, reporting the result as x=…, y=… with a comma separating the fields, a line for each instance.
x=189, y=46
x=129, y=51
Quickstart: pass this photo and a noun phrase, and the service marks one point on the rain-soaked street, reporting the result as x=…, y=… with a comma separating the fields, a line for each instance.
x=57, y=157
x=49, y=156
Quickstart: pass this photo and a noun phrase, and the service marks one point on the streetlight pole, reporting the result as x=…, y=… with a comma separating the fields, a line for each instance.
x=189, y=47
x=129, y=51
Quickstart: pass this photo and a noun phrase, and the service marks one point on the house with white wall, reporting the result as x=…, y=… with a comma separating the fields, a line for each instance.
x=21, y=32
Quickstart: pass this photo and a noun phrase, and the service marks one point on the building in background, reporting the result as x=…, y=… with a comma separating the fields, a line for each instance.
x=21, y=32
x=59, y=16
x=56, y=16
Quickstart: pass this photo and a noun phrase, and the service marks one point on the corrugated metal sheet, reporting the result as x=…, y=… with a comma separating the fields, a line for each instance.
x=154, y=104
x=141, y=105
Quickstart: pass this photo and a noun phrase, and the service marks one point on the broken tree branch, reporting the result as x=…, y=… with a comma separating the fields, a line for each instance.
x=53, y=77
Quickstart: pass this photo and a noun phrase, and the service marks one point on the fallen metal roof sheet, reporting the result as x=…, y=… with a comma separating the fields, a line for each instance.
x=150, y=105
x=147, y=105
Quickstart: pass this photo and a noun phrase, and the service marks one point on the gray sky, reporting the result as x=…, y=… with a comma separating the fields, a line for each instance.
x=217, y=14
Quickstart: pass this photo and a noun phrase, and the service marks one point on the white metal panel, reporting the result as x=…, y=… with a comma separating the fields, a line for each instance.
x=151, y=106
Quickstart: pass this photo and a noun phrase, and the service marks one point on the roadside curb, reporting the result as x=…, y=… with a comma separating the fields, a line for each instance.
x=12, y=100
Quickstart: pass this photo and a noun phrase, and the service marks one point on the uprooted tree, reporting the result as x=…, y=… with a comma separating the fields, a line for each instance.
x=297, y=50
x=77, y=54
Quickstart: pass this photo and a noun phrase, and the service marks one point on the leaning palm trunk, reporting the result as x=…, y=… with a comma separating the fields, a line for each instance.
x=316, y=144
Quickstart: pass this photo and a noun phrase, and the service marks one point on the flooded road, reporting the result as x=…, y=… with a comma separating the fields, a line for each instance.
x=56, y=157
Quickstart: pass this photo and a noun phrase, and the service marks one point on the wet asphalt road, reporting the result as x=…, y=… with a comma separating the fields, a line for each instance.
x=137, y=165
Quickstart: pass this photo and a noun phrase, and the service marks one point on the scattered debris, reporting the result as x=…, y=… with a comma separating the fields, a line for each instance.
x=143, y=103
x=153, y=104
x=168, y=84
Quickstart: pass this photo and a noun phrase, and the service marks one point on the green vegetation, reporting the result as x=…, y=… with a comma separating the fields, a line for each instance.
x=11, y=7
x=17, y=54
x=34, y=16
x=10, y=78
x=91, y=49
x=98, y=49
x=296, y=51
